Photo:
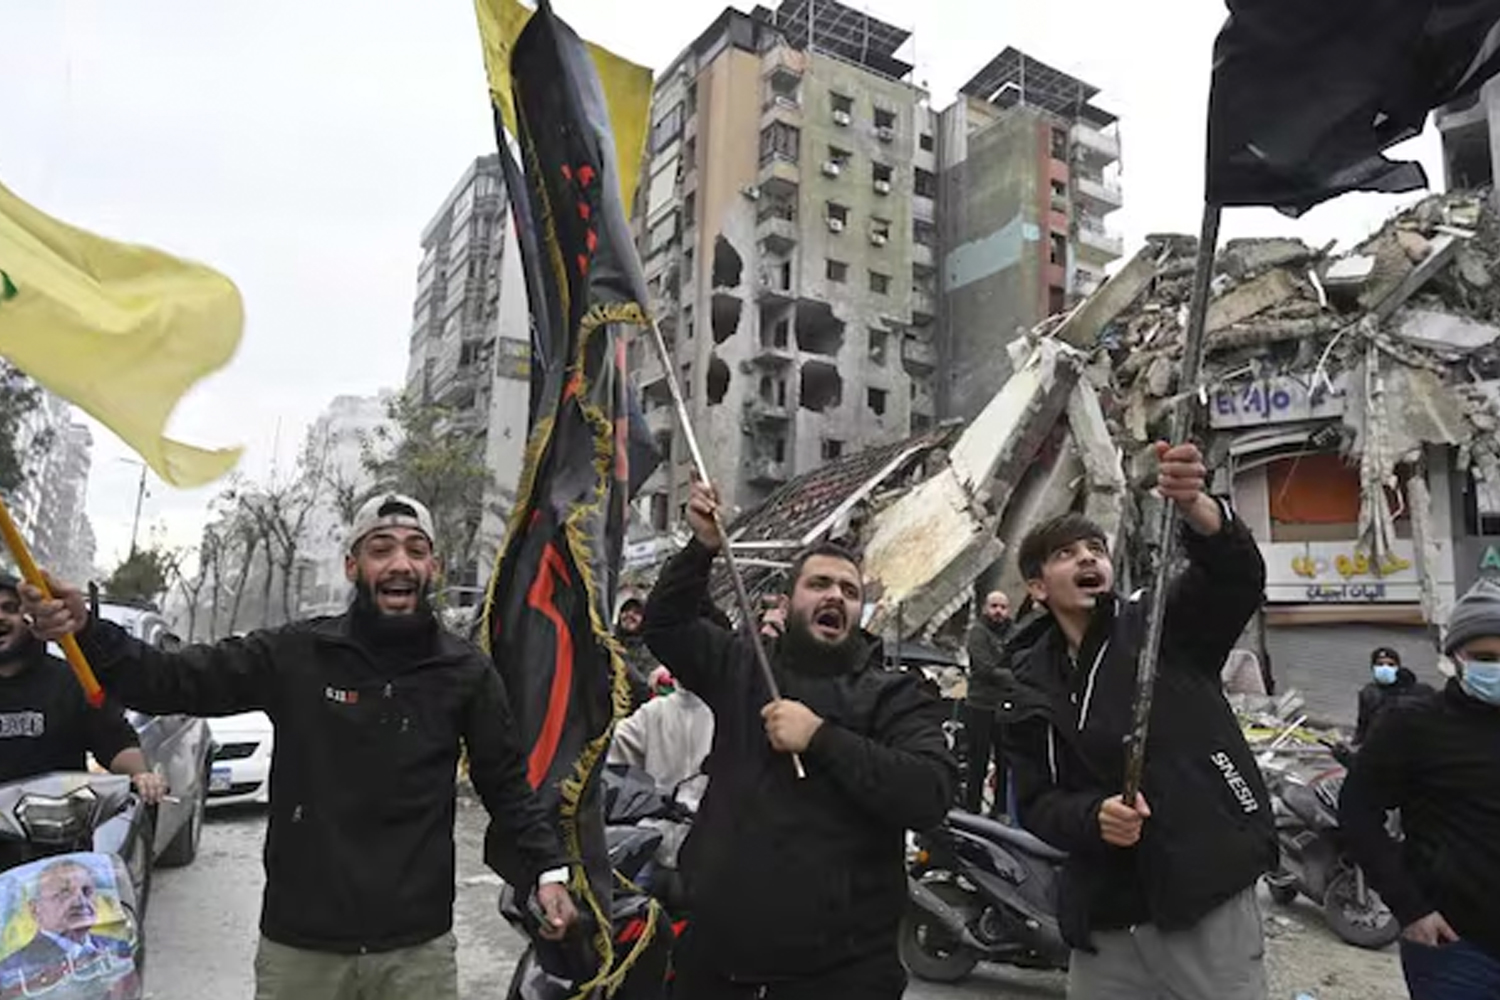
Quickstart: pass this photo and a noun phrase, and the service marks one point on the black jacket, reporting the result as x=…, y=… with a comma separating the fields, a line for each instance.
x=789, y=877
x=1438, y=761
x=359, y=852
x=1210, y=835
x=47, y=725
x=990, y=677
x=1377, y=699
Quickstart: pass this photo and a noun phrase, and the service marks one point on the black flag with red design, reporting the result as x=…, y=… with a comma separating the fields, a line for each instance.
x=548, y=613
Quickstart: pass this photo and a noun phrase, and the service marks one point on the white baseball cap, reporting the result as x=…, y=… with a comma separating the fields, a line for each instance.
x=390, y=510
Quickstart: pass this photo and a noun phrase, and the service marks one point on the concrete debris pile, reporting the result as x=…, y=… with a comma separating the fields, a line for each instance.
x=1375, y=353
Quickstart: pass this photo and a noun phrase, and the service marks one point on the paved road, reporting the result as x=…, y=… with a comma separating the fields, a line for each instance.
x=201, y=925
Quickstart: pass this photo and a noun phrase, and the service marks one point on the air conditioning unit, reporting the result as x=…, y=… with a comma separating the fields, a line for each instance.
x=885, y=133
x=879, y=239
x=751, y=191
x=882, y=187
x=831, y=168
x=843, y=118
x=835, y=225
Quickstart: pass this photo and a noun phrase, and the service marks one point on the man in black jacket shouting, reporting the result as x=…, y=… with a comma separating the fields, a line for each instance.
x=370, y=709
x=1158, y=894
x=797, y=886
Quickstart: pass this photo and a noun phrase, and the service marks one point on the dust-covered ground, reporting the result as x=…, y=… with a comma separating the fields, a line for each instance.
x=201, y=933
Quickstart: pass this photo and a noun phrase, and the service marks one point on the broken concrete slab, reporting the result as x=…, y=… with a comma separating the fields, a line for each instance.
x=1242, y=258
x=1250, y=299
x=1082, y=329
x=1048, y=491
x=1435, y=330
x=992, y=454
x=1349, y=272
x=1441, y=252
x=925, y=549
x=1473, y=268
x=1415, y=245
x=1104, y=480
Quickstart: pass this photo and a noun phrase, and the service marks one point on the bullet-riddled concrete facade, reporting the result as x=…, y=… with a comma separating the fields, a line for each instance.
x=777, y=227
x=822, y=247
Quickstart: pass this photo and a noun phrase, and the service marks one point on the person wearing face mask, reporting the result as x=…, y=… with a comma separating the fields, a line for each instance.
x=370, y=709
x=1438, y=761
x=1158, y=895
x=1393, y=686
x=797, y=886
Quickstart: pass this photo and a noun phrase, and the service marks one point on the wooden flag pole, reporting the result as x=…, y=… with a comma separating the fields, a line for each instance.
x=741, y=595
x=33, y=575
x=1181, y=428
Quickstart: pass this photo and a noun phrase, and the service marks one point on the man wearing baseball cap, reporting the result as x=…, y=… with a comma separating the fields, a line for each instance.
x=370, y=709
x=1438, y=761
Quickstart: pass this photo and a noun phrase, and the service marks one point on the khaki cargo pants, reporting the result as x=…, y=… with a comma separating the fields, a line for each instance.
x=428, y=971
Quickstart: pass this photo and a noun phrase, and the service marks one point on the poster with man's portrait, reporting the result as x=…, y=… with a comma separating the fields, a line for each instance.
x=65, y=933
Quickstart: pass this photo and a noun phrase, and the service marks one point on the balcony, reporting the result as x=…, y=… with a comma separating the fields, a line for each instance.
x=664, y=310
x=769, y=356
x=923, y=404
x=923, y=306
x=783, y=67
x=918, y=355
x=1098, y=243
x=922, y=255
x=764, y=411
x=767, y=472
x=923, y=209
x=772, y=290
x=777, y=234
x=1094, y=145
x=779, y=177
x=1098, y=195
x=782, y=108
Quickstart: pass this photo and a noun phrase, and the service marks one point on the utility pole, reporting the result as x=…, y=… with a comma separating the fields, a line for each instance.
x=140, y=499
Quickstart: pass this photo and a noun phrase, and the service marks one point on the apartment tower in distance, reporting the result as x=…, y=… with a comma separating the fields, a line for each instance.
x=834, y=264
x=788, y=231
x=1028, y=169
x=470, y=348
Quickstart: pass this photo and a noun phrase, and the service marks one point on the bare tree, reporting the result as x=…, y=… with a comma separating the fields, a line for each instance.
x=192, y=590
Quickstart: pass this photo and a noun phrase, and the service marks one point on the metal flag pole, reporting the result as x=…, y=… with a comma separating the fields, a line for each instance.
x=1182, y=412
x=741, y=595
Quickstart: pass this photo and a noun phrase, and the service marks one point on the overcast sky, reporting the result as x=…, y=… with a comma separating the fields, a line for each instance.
x=301, y=147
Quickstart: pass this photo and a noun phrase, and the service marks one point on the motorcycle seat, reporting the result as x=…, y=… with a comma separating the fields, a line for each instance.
x=1011, y=836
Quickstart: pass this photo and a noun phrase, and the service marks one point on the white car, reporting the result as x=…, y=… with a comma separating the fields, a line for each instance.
x=241, y=768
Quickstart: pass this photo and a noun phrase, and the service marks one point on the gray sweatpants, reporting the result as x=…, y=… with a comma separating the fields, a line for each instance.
x=1221, y=958
x=428, y=971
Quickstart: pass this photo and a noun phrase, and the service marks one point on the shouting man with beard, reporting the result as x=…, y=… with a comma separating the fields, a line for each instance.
x=370, y=709
x=797, y=886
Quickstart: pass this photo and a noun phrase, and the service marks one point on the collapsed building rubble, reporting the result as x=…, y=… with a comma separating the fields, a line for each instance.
x=1379, y=355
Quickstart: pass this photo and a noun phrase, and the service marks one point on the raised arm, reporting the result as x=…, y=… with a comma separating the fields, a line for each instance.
x=236, y=675
x=697, y=651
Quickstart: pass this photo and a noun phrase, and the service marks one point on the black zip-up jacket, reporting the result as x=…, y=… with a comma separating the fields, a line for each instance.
x=1210, y=834
x=359, y=851
x=1375, y=700
x=1438, y=761
x=990, y=676
x=790, y=877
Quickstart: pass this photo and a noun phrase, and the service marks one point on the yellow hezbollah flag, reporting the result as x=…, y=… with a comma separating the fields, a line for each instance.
x=120, y=331
x=627, y=87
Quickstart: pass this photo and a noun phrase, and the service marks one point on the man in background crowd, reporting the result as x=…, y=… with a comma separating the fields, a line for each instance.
x=990, y=682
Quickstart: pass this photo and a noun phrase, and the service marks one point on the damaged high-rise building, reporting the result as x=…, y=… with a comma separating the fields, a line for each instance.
x=1029, y=172
x=803, y=253
x=1471, y=138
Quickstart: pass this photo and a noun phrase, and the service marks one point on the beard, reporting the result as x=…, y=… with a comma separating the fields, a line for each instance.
x=806, y=651
x=17, y=646
x=393, y=626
